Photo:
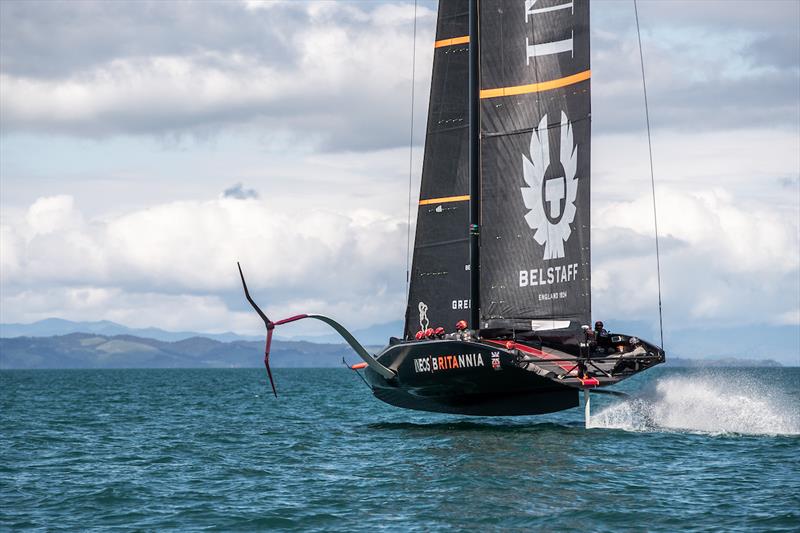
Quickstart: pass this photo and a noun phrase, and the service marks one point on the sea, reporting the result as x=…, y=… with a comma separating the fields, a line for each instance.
x=186, y=450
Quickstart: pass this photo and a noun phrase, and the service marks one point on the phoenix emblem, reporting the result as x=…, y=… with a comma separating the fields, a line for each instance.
x=552, y=227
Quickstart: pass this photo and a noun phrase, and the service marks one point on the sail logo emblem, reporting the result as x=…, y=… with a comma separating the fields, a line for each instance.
x=423, y=316
x=551, y=200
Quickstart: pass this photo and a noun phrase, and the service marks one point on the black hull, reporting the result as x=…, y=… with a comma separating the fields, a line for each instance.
x=504, y=375
x=535, y=402
x=501, y=377
x=486, y=382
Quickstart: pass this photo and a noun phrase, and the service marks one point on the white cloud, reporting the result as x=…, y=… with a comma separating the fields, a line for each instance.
x=51, y=214
x=173, y=264
x=174, y=312
x=721, y=262
x=791, y=318
x=348, y=79
x=187, y=252
x=254, y=5
x=748, y=240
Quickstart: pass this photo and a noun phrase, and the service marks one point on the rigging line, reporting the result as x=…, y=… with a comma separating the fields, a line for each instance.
x=411, y=153
x=652, y=174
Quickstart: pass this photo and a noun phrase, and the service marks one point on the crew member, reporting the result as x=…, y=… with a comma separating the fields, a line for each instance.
x=461, y=330
x=601, y=336
x=599, y=329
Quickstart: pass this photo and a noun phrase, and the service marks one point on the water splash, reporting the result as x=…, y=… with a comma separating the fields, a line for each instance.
x=707, y=403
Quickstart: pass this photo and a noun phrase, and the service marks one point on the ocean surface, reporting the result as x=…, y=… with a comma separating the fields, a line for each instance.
x=212, y=449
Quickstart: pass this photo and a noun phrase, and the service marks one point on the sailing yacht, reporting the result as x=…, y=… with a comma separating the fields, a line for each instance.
x=499, y=305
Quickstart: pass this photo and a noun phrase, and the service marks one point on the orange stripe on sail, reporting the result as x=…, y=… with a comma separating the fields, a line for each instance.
x=451, y=42
x=537, y=87
x=446, y=199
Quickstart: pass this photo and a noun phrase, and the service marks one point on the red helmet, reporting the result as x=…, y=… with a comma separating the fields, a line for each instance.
x=429, y=332
x=438, y=331
x=461, y=325
x=419, y=335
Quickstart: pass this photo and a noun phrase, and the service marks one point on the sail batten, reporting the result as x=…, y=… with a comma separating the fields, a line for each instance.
x=445, y=200
x=536, y=87
x=464, y=39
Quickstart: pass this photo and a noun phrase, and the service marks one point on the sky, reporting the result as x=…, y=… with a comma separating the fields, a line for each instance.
x=145, y=147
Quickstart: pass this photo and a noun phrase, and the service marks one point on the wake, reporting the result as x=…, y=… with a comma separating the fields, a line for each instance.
x=706, y=404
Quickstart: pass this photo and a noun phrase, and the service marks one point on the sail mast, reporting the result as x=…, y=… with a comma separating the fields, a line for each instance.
x=474, y=167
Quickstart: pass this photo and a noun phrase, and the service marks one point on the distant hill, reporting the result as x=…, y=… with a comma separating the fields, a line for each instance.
x=56, y=326
x=726, y=362
x=377, y=334
x=89, y=350
x=374, y=335
x=731, y=346
x=781, y=343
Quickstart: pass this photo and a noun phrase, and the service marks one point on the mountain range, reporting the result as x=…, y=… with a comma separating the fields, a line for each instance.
x=56, y=343
x=374, y=335
x=90, y=350
x=57, y=326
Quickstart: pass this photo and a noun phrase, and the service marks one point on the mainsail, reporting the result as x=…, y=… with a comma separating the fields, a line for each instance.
x=535, y=167
x=535, y=124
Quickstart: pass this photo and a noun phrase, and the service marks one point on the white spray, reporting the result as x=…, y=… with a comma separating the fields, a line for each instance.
x=707, y=404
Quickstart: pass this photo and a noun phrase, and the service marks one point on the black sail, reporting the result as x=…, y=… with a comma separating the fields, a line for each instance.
x=439, y=284
x=535, y=163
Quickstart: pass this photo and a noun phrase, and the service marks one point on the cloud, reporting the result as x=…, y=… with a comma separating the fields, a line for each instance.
x=337, y=75
x=50, y=214
x=239, y=192
x=721, y=263
x=175, y=312
x=706, y=69
x=188, y=250
x=791, y=318
x=54, y=40
x=174, y=263
x=330, y=75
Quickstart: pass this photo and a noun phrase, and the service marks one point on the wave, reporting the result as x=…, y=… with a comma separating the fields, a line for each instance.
x=710, y=403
